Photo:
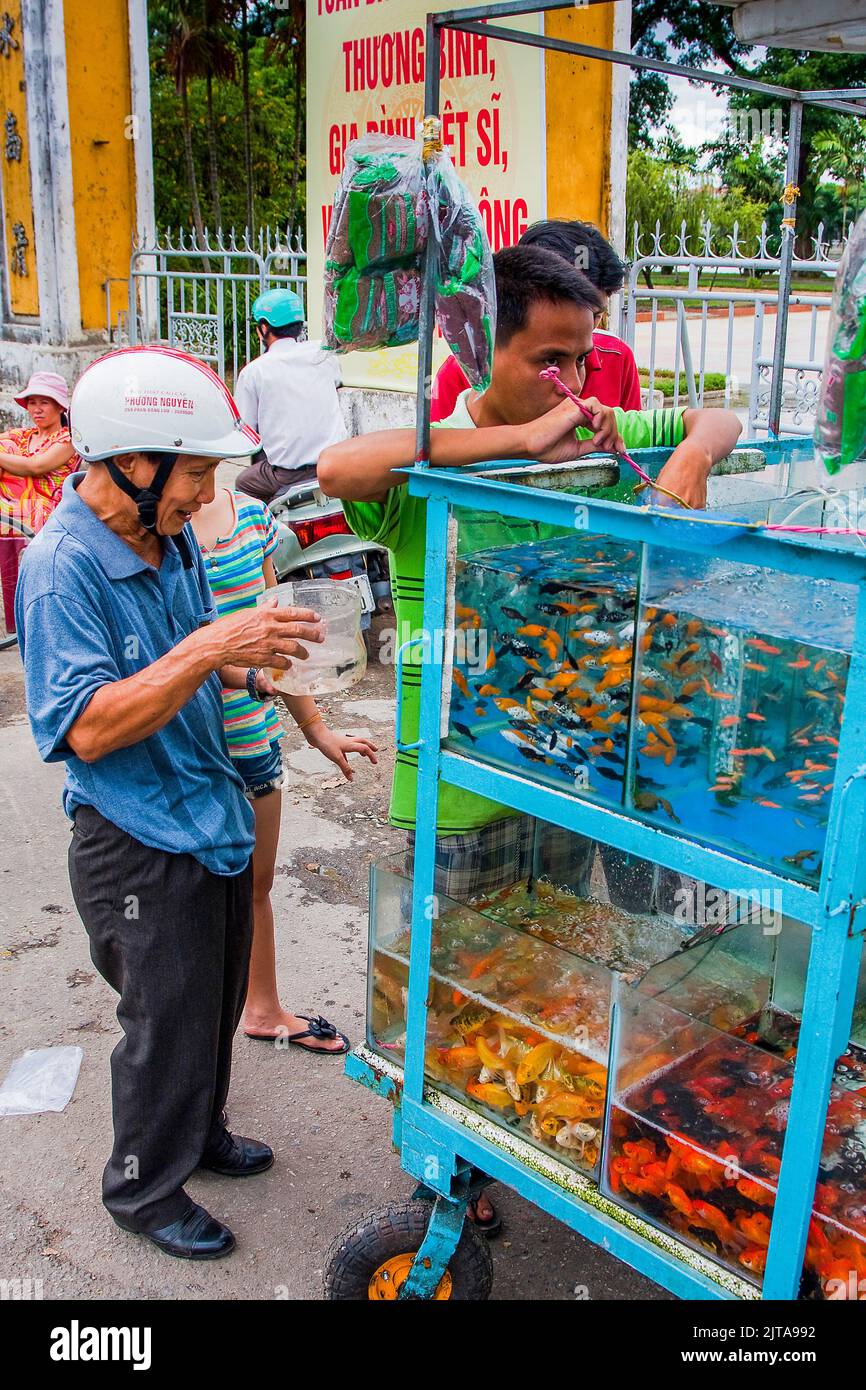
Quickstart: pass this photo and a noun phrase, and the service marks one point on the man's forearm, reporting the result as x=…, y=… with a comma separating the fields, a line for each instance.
x=714, y=432
x=126, y=711
x=362, y=469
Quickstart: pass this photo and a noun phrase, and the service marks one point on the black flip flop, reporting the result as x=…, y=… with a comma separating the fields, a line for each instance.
x=319, y=1029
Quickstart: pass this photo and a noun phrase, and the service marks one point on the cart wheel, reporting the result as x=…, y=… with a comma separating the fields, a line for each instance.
x=371, y=1261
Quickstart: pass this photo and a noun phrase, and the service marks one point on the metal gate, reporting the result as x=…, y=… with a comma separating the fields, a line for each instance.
x=682, y=323
x=200, y=298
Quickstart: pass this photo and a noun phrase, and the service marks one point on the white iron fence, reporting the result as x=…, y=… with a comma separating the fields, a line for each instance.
x=701, y=327
x=200, y=297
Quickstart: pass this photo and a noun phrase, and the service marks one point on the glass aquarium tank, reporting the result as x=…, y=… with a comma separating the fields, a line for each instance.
x=521, y=986
x=697, y=694
x=740, y=689
x=698, y=1116
x=547, y=689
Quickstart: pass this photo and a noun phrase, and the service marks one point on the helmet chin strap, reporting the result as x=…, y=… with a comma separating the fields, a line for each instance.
x=147, y=499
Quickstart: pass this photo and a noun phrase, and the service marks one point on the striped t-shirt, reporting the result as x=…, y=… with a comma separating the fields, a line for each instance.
x=235, y=569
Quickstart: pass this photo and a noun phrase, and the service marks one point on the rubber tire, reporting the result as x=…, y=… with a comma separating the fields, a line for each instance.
x=395, y=1230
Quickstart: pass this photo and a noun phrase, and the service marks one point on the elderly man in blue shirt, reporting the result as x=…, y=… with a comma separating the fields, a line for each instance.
x=124, y=663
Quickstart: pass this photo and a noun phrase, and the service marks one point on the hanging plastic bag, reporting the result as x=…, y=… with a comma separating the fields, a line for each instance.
x=376, y=244
x=41, y=1079
x=465, y=280
x=840, y=428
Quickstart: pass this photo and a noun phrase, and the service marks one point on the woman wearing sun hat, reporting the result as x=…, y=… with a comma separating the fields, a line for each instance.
x=35, y=459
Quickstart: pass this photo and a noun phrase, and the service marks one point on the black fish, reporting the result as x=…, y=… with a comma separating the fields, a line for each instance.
x=614, y=758
x=533, y=755
x=464, y=730
x=525, y=681
x=513, y=614
x=606, y=772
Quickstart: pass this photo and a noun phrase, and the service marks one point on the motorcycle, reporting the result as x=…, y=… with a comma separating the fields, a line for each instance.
x=316, y=542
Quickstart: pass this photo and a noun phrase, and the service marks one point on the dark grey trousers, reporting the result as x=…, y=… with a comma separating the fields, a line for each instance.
x=174, y=940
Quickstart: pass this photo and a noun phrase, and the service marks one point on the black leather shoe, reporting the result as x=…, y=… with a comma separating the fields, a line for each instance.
x=234, y=1157
x=194, y=1236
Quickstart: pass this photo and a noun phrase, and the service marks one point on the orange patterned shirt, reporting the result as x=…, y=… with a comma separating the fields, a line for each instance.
x=34, y=498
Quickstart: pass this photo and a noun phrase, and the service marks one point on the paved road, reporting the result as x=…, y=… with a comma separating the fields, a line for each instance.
x=332, y=1139
x=806, y=342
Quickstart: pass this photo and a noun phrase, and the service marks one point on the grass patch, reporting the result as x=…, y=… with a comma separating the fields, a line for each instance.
x=664, y=381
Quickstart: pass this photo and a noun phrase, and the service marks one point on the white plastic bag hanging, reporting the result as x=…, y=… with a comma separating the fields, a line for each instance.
x=41, y=1079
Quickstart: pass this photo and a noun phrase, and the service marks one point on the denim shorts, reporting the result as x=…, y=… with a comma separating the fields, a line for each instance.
x=263, y=773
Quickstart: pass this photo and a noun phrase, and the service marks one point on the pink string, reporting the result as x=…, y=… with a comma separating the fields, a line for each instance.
x=552, y=374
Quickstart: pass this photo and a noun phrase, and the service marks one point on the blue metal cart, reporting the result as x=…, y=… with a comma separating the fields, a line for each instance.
x=446, y=1146
x=422, y=1249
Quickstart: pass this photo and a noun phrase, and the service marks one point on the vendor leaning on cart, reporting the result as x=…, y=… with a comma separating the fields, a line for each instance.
x=545, y=316
x=124, y=665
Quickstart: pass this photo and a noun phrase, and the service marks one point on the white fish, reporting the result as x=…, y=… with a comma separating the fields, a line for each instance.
x=597, y=638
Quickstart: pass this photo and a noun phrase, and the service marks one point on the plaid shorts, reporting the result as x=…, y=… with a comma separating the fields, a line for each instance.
x=505, y=852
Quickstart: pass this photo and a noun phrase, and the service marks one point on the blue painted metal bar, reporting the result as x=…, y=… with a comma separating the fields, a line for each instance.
x=426, y=815
x=679, y=531
x=831, y=978
x=440, y=1242
x=399, y=662
x=427, y=315
x=587, y=1220
x=627, y=832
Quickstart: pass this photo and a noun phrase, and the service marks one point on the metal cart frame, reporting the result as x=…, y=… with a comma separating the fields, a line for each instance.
x=447, y=1146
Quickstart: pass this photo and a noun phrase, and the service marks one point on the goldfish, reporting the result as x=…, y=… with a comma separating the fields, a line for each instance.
x=720, y=695
x=705, y=1215
x=771, y=805
x=755, y=1227
x=753, y=753
x=753, y=666
x=816, y=695
x=755, y=1260
x=754, y=1192
x=490, y=1093
x=800, y=665
x=488, y=690
x=460, y=682
x=563, y=679
x=491, y=660
x=729, y=721
x=616, y=656
x=760, y=645
x=758, y=718
x=533, y=1064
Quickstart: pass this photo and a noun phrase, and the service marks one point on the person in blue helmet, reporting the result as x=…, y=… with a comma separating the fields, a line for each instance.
x=288, y=395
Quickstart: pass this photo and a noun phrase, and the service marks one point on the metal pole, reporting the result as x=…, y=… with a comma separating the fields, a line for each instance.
x=427, y=320
x=789, y=198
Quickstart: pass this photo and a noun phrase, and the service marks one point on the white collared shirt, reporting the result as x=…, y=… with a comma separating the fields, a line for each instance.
x=289, y=396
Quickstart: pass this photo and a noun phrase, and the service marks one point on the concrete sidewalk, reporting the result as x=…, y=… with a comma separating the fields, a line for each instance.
x=332, y=1139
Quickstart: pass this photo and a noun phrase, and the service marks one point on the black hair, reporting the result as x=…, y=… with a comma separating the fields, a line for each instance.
x=584, y=247
x=526, y=274
x=286, y=330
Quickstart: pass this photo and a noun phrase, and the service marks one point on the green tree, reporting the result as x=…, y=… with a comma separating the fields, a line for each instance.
x=842, y=153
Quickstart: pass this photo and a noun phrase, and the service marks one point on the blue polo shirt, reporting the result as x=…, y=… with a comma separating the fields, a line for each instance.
x=89, y=611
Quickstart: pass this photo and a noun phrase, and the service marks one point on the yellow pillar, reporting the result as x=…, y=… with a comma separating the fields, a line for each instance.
x=102, y=140
x=19, y=241
x=581, y=129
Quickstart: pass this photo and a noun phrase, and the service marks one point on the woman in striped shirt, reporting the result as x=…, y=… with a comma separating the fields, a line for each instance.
x=237, y=537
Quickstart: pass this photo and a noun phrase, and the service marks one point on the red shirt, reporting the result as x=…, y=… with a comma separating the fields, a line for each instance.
x=611, y=376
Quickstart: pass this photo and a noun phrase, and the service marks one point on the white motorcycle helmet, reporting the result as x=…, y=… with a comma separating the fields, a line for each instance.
x=154, y=400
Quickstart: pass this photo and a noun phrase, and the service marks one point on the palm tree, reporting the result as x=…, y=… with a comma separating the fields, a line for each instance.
x=842, y=153
x=288, y=45
x=183, y=56
x=219, y=62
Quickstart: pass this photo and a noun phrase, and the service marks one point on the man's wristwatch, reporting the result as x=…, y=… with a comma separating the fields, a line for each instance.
x=252, y=689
